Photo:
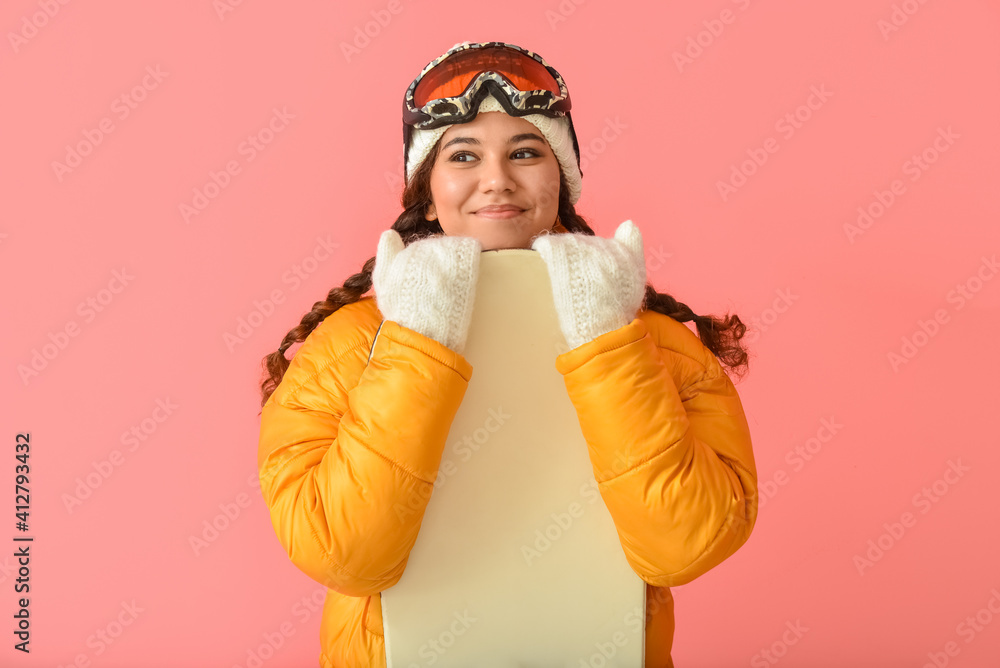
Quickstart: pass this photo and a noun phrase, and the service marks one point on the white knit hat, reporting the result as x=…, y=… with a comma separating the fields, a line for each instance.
x=555, y=130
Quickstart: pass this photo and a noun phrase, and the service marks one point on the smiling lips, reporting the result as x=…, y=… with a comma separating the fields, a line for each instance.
x=499, y=211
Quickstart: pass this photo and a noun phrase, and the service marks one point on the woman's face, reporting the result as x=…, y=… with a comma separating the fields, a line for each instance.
x=495, y=159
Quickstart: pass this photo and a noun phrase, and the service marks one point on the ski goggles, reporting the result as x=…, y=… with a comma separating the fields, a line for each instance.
x=450, y=88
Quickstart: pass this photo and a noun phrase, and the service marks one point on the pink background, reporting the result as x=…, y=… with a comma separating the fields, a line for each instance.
x=828, y=309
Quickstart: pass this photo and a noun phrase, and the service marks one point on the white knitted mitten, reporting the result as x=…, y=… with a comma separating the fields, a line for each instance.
x=598, y=284
x=428, y=286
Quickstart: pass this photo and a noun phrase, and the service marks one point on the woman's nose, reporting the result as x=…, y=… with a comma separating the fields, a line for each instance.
x=496, y=176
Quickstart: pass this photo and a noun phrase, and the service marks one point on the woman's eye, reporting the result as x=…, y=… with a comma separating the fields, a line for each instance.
x=531, y=153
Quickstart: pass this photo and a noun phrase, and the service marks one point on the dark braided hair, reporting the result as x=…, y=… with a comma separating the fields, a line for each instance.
x=721, y=336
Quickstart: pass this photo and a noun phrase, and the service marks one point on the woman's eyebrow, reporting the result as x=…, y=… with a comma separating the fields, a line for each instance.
x=525, y=136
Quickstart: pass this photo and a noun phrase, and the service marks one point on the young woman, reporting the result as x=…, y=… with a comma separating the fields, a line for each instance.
x=354, y=427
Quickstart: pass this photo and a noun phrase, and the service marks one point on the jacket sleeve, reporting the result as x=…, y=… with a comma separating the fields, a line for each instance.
x=347, y=472
x=675, y=470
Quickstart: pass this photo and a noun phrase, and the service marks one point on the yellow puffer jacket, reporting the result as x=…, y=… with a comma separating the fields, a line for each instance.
x=339, y=450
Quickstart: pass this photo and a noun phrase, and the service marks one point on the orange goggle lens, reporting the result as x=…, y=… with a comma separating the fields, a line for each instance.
x=451, y=76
